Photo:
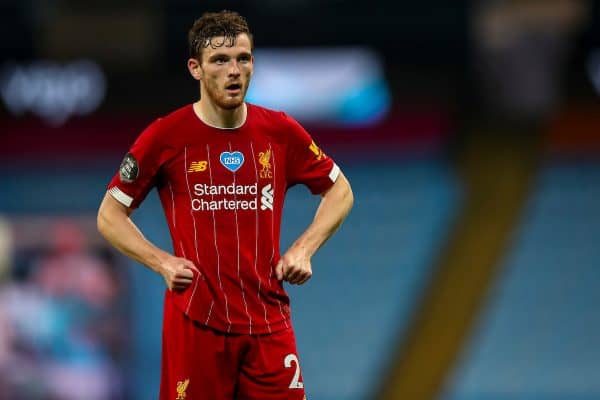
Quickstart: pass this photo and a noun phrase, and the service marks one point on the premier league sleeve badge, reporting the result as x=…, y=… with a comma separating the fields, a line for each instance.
x=129, y=170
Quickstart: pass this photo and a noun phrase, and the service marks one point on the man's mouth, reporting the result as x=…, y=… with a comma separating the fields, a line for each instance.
x=233, y=87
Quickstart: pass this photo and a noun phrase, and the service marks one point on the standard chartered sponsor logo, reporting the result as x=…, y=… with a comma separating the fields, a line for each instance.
x=266, y=201
x=223, y=204
x=201, y=189
x=231, y=197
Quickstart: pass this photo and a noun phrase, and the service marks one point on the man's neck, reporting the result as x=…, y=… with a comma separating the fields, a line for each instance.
x=213, y=115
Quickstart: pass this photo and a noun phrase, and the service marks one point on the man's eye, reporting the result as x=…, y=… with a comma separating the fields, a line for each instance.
x=245, y=59
x=220, y=60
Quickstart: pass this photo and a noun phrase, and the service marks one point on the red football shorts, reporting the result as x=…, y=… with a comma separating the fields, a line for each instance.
x=199, y=363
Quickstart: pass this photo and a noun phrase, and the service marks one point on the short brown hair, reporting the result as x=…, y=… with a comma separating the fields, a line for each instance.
x=228, y=24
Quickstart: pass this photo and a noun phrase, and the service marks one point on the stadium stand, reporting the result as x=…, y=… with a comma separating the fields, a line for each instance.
x=369, y=278
x=537, y=336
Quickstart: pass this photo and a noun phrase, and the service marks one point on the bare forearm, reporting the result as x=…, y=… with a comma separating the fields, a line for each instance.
x=333, y=209
x=116, y=227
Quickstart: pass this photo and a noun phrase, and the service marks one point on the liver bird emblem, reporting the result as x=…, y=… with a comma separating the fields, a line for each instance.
x=181, y=389
x=264, y=158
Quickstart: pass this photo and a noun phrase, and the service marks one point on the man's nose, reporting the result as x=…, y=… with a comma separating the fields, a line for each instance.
x=234, y=68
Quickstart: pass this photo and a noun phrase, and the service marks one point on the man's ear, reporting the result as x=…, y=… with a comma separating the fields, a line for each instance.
x=195, y=69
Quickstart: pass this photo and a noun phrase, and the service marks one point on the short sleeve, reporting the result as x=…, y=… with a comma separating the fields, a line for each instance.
x=137, y=174
x=307, y=163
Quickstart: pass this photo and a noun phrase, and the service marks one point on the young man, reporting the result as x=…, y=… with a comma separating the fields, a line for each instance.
x=222, y=168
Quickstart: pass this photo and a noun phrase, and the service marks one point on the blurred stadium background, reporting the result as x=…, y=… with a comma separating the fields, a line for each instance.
x=469, y=268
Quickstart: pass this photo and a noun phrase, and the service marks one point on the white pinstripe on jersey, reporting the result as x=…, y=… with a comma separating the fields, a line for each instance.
x=209, y=312
x=172, y=206
x=256, y=244
x=181, y=246
x=187, y=310
x=216, y=246
x=174, y=219
x=237, y=234
x=273, y=230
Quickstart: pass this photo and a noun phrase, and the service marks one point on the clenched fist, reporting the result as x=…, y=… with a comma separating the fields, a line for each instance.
x=178, y=273
x=294, y=266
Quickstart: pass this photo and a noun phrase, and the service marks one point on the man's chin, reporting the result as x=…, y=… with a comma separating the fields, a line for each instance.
x=231, y=104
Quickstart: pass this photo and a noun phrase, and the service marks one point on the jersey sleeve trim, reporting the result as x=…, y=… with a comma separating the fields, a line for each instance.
x=335, y=172
x=121, y=197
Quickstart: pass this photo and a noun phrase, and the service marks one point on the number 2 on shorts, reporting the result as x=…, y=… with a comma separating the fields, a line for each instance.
x=288, y=364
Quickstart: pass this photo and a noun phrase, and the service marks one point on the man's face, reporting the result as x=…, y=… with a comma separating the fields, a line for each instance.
x=225, y=72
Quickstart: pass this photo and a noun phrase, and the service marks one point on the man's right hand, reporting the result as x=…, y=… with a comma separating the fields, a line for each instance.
x=178, y=273
x=116, y=226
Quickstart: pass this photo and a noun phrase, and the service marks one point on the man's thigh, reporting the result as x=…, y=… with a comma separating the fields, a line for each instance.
x=271, y=369
x=196, y=361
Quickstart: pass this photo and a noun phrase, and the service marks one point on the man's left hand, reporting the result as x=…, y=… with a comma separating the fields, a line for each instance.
x=294, y=266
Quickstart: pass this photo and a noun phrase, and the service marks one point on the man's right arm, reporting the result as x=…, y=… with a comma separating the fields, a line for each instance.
x=115, y=224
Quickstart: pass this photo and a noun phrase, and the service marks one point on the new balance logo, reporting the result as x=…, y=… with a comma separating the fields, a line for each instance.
x=197, y=166
x=266, y=200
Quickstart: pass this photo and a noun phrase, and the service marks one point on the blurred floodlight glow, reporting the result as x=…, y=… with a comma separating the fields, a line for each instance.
x=343, y=85
x=53, y=91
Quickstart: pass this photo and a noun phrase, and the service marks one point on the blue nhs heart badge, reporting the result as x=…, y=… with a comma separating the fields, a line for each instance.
x=232, y=160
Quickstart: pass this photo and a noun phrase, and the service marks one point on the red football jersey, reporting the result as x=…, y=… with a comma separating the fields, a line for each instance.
x=222, y=191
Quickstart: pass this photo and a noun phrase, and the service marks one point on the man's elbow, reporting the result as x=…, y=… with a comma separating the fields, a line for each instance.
x=349, y=196
x=102, y=222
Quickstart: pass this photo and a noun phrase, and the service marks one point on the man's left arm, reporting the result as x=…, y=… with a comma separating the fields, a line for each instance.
x=295, y=265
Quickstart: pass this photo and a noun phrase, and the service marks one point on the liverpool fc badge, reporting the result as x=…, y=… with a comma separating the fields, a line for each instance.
x=264, y=158
x=181, y=389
